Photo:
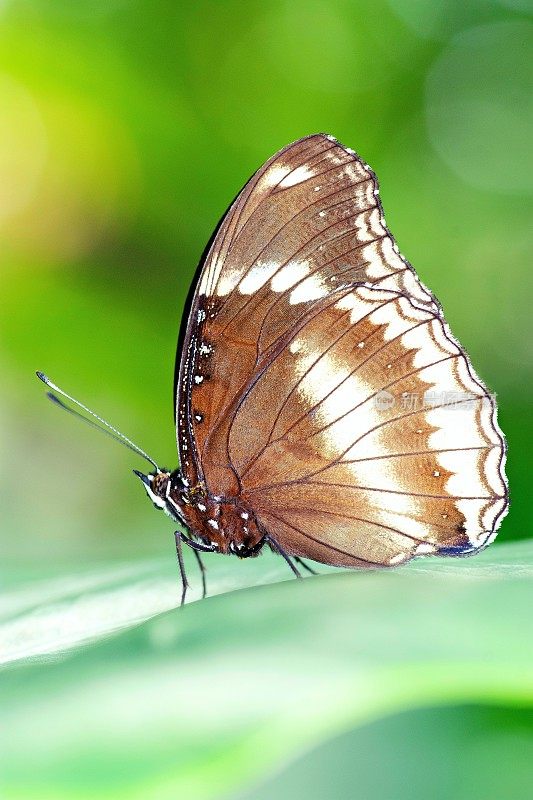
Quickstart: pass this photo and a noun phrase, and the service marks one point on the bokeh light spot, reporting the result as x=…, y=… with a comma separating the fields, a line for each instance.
x=89, y=177
x=439, y=19
x=479, y=106
x=22, y=147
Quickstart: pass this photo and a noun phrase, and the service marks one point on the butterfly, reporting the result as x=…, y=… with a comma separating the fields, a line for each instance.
x=323, y=408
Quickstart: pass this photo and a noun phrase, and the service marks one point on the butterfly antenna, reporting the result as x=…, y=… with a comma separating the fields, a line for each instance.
x=104, y=426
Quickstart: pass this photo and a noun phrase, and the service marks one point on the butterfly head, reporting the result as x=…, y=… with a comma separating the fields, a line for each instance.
x=157, y=485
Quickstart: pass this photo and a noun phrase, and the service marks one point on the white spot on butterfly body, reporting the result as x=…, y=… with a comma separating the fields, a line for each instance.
x=155, y=498
x=213, y=523
x=201, y=507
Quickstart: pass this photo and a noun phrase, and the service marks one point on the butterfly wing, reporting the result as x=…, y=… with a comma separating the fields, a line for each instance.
x=309, y=220
x=302, y=236
x=377, y=441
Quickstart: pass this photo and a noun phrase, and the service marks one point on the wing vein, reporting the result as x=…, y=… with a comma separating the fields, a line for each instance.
x=320, y=542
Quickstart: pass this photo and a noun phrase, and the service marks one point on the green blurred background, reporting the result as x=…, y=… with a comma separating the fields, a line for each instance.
x=126, y=127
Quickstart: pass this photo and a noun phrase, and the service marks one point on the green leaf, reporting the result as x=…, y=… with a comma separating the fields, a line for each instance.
x=205, y=700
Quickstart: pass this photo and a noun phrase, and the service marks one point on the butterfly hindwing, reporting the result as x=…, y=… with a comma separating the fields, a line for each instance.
x=382, y=445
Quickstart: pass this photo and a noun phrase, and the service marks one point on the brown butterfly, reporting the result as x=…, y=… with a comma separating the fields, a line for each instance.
x=323, y=407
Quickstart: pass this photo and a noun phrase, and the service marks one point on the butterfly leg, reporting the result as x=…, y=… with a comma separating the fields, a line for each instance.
x=302, y=563
x=179, y=553
x=202, y=570
x=275, y=546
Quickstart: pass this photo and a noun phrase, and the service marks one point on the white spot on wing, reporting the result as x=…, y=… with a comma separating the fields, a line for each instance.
x=424, y=549
x=228, y=281
x=368, y=225
x=288, y=275
x=344, y=404
x=296, y=176
x=397, y=559
x=275, y=175
x=296, y=345
x=311, y=288
x=257, y=276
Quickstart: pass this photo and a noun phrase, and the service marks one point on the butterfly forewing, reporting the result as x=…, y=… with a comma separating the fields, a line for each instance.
x=306, y=223
x=319, y=380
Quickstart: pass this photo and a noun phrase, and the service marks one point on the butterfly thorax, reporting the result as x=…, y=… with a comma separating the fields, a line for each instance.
x=226, y=524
